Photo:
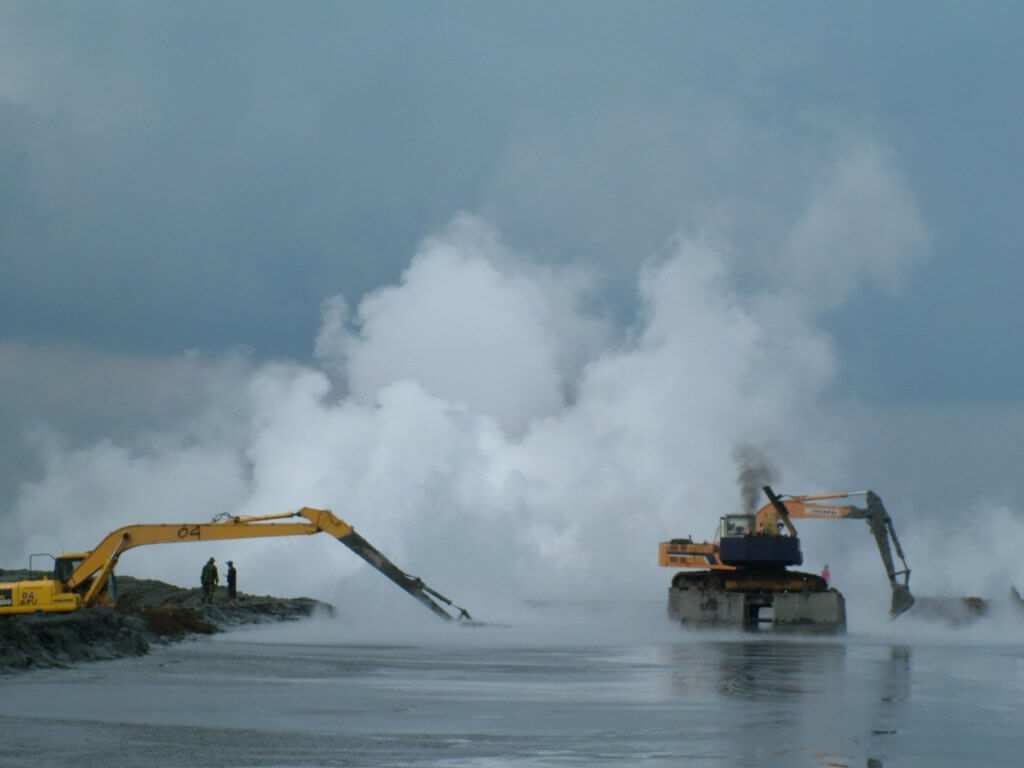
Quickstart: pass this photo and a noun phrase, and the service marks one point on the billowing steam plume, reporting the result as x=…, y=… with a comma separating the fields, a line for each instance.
x=482, y=426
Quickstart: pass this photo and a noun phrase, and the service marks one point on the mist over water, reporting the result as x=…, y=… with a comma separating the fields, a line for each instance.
x=595, y=684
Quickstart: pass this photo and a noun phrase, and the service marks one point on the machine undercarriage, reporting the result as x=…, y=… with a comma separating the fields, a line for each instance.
x=756, y=599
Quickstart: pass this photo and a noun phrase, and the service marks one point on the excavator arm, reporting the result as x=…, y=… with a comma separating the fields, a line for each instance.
x=780, y=509
x=882, y=529
x=92, y=575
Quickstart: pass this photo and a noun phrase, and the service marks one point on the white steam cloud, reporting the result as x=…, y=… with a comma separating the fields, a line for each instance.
x=490, y=434
x=477, y=425
x=474, y=324
x=863, y=225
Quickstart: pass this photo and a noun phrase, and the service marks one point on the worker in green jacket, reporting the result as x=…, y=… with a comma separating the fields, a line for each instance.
x=209, y=580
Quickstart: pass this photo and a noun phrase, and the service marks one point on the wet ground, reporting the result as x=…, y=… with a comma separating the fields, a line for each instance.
x=315, y=694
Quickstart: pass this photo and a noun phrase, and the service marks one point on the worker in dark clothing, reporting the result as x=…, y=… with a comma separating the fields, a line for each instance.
x=209, y=580
x=232, y=582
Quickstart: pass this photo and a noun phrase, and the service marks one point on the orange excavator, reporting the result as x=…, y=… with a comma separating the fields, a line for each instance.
x=83, y=579
x=751, y=554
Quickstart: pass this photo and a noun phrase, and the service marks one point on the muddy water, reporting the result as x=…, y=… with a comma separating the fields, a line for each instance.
x=291, y=697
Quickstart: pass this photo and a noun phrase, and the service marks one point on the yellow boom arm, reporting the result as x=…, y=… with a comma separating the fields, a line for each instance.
x=99, y=563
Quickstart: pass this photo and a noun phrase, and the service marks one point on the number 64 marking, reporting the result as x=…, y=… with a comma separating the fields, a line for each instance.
x=188, y=533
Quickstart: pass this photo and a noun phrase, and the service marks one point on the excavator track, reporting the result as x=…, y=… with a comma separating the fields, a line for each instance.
x=750, y=581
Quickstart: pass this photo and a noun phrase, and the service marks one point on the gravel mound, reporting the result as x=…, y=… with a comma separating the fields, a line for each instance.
x=148, y=612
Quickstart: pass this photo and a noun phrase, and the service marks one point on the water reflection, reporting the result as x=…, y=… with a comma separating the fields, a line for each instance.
x=779, y=671
x=896, y=675
x=755, y=669
x=828, y=702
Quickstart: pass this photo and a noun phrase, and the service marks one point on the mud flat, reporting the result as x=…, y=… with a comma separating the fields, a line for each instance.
x=953, y=611
x=148, y=612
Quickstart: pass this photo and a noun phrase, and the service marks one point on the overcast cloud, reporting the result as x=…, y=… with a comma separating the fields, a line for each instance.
x=520, y=277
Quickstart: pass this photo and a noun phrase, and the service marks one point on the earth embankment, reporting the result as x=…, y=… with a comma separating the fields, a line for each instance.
x=148, y=612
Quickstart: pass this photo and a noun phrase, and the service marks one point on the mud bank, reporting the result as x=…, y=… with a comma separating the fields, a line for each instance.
x=960, y=611
x=148, y=612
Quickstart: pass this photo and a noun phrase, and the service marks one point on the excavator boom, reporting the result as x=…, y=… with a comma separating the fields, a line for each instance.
x=88, y=575
x=878, y=520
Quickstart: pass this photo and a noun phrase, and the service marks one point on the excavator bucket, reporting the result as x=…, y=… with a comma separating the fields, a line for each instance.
x=901, y=600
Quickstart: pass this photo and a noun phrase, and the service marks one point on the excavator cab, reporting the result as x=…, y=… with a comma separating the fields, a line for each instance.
x=738, y=545
x=736, y=525
x=64, y=565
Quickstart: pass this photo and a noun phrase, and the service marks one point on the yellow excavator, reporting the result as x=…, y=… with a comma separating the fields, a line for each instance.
x=83, y=579
x=745, y=569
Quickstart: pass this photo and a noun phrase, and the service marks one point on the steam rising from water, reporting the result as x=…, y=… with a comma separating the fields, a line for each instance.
x=485, y=429
x=478, y=425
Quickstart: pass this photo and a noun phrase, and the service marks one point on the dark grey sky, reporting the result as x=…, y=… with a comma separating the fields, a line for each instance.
x=193, y=176
x=201, y=177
